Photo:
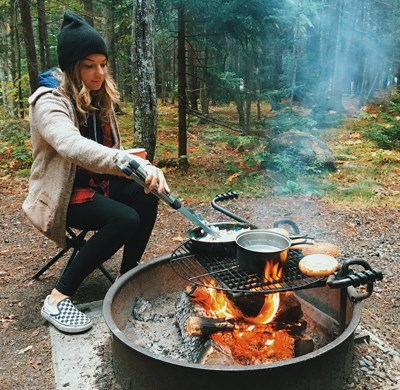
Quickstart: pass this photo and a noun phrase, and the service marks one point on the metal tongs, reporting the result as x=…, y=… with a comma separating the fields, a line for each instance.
x=133, y=169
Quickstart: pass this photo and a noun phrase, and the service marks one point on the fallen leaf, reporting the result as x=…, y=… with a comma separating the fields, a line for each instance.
x=177, y=239
x=231, y=177
x=36, y=363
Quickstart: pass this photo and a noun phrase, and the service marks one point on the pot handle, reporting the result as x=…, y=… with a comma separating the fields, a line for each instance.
x=301, y=240
x=289, y=222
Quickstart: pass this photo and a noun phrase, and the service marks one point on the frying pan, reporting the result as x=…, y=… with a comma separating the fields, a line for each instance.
x=222, y=245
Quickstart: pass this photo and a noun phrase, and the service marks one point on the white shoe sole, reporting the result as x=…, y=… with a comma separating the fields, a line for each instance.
x=65, y=328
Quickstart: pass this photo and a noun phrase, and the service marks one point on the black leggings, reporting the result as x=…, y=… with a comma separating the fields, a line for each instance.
x=126, y=219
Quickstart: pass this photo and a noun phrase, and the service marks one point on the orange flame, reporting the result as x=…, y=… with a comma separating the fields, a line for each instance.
x=272, y=271
x=271, y=303
x=216, y=304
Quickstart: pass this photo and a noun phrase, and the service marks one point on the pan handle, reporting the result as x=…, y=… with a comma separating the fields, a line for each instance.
x=228, y=196
x=233, y=195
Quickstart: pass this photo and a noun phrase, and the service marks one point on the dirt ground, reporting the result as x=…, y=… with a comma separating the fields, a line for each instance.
x=373, y=235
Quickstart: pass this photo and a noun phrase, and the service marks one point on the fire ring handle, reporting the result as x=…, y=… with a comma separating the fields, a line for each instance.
x=224, y=197
x=346, y=278
x=233, y=195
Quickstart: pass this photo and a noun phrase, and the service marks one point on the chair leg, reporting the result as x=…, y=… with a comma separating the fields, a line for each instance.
x=76, y=242
x=50, y=263
x=106, y=273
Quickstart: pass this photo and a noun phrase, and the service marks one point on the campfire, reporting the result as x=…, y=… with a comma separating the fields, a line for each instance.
x=226, y=332
x=151, y=310
x=197, y=317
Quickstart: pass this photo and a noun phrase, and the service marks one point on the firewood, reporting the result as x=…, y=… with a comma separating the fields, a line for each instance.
x=248, y=304
x=200, y=349
x=303, y=345
x=197, y=346
x=290, y=310
x=200, y=326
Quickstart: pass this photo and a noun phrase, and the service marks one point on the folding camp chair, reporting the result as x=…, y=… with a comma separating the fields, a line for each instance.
x=75, y=241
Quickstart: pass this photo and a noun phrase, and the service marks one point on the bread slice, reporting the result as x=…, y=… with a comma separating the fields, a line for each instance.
x=318, y=265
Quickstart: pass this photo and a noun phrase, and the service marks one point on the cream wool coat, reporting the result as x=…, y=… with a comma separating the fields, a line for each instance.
x=57, y=148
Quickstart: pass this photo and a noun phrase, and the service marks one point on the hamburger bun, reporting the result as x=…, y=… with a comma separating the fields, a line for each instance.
x=320, y=248
x=282, y=231
x=318, y=265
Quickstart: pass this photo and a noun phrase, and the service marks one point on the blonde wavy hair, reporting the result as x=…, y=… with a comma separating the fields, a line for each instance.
x=104, y=99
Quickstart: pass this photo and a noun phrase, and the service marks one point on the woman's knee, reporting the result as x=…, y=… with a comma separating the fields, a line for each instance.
x=129, y=220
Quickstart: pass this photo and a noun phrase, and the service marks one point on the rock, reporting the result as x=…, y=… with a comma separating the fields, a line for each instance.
x=305, y=147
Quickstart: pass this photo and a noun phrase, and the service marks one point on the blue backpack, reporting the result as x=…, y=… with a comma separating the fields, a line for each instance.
x=51, y=78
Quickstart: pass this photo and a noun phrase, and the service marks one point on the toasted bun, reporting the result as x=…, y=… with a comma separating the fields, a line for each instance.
x=280, y=231
x=318, y=265
x=319, y=247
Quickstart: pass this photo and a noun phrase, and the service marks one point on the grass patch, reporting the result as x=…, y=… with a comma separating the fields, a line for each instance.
x=367, y=175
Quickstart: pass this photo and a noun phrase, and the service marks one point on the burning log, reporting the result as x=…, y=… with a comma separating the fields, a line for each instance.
x=290, y=310
x=249, y=304
x=201, y=326
x=197, y=346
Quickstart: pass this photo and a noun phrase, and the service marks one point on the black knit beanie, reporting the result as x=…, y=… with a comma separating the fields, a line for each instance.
x=76, y=40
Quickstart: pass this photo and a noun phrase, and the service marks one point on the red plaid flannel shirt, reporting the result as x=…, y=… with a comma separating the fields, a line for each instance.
x=87, y=183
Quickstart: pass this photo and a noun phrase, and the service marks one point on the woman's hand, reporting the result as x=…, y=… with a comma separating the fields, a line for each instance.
x=155, y=178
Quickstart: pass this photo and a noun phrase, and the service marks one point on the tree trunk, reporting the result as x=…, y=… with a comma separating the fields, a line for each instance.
x=27, y=31
x=295, y=59
x=248, y=114
x=15, y=58
x=109, y=36
x=5, y=74
x=174, y=71
x=144, y=81
x=192, y=61
x=337, y=79
x=203, y=89
x=364, y=79
x=88, y=11
x=240, y=110
x=182, y=141
x=44, y=48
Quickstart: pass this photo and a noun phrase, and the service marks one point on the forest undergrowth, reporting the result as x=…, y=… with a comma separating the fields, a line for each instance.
x=223, y=159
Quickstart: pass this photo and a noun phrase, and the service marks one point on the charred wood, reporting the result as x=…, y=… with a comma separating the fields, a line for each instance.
x=202, y=326
x=199, y=326
x=197, y=347
x=290, y=310
x=303, y=345
x=248, y=304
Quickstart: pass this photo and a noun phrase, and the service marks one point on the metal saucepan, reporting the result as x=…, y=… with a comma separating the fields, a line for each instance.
x=257, y=247
x=218, y=245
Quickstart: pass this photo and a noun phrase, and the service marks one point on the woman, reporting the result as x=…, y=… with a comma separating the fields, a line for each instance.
x=74, y=181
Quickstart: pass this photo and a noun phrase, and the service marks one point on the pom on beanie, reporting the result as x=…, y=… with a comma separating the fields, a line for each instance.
x=76, y=40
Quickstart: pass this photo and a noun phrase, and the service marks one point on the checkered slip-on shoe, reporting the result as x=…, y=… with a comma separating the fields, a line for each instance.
x=66, y=317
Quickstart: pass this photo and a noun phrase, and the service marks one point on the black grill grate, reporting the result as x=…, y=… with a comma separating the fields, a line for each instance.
x=222, y=272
